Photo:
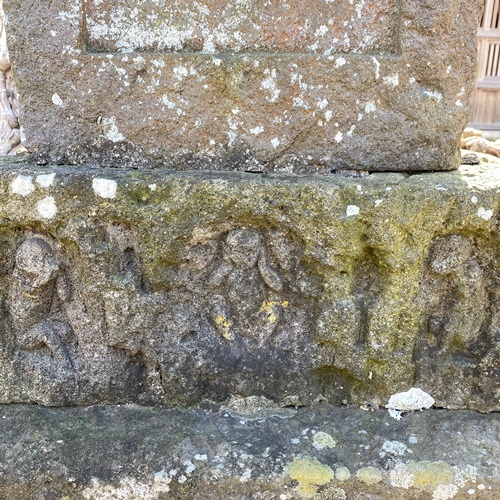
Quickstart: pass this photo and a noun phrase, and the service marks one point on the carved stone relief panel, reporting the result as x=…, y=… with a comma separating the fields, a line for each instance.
x=288, y=86
x=460, y=328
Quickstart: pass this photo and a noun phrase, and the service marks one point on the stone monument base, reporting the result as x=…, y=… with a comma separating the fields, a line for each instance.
x=322, y=452
x=155, y=287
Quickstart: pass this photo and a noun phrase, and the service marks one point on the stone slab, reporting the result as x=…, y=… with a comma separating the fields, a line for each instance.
x=173, y=287
x=248, y=85
x=326, y=453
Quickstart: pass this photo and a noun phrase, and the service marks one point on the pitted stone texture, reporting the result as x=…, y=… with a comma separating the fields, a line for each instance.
x=259, y=86
x=156, y=287
x=130, y=452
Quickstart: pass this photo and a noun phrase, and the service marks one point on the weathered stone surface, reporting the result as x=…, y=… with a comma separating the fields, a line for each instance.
x=10, y=134
x=263, y=86
x=323, y=452
x=164, y=287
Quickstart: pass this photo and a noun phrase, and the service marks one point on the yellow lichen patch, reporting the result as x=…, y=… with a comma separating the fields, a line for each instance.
x=268, y=308
x=310, y=473
x=430, y=474
x=225, y=325
x=323, y=440
x=369, y=475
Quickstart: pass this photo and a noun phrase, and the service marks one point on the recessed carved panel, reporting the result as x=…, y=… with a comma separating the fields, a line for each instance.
x=218, y=27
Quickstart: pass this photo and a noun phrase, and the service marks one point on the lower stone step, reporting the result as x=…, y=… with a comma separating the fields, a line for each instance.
x=246, y=449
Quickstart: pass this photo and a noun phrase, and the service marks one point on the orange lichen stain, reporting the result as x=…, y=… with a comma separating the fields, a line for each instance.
x=268, y=308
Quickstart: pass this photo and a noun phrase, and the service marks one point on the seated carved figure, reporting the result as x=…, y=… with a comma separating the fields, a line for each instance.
x=246, y=285
x=38, y=290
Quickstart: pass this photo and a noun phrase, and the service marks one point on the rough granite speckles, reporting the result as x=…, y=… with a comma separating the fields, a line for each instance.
x=212, y=85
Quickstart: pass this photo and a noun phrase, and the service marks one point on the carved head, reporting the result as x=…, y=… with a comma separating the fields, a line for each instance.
x=243, y=247
x=36, y=264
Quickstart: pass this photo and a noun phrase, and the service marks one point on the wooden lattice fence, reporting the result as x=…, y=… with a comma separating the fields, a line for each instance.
x=486, y=97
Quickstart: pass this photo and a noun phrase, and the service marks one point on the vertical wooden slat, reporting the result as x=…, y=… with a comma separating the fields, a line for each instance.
x=483, y=59
x=494, y=17
x=494, y=61
x=488, y=12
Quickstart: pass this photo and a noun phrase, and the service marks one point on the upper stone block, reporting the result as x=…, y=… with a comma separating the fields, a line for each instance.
x=279, y=85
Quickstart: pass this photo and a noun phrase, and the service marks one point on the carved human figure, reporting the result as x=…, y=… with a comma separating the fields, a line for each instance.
x=457, y=283
x=37, y=294
x=245, y=287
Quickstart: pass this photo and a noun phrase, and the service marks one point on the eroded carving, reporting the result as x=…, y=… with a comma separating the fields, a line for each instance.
x=246, y=288
x=38, y=293
x=457, y=350
x=457, y=298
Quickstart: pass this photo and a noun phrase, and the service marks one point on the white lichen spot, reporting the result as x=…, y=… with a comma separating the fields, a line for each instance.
x=392, y=81
x=465, y=474
x=247, y=474
x=180, y=72
x=484, y=214
x=412, y=400
x=47, y=207
x=105, y=188
x=328, y=115
x=22, y=185
x=352, y=210
x=342, y=474
x=340, y=61
x=413, y=440
x=433, y=94
x=45, y=180
x=445, y=492
x=396, y=414
x=401, y=477
x=378, y=202
x=275, y=142
x=474, y=200
x=395, y=448
x=321, y=31
x=481, y=487
x=351, y=131
x=190, y=467
x=369, y=108
x=257, y=130
x=322, y=104
x=377, y=67
x=110, y=130
x=128, y=488
x=56, y=99
x=168, y=102
x=323, y=440
x=270, y=85
x=459, y=104
x=202, y=457
x=339, y=137
x=153, y=187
